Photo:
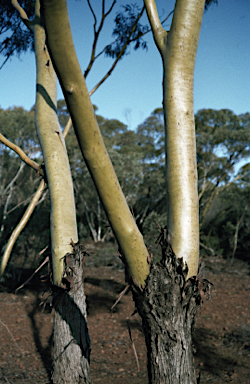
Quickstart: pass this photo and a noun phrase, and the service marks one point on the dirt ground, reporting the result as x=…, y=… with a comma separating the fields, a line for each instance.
x=221, y=337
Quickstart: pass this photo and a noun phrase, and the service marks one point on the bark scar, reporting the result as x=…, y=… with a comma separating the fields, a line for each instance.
x=58, y=133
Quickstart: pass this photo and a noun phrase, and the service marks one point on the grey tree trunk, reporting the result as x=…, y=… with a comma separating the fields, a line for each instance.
x=168, y=306
x=71, y=340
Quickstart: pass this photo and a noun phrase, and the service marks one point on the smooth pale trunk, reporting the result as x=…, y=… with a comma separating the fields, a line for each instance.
x=181, y=168
x=63, y=216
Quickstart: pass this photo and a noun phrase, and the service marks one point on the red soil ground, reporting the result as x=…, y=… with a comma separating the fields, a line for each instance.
x=221, y=337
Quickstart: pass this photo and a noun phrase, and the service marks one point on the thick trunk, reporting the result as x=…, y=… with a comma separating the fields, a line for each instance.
x=71, y=341
x=168, y=306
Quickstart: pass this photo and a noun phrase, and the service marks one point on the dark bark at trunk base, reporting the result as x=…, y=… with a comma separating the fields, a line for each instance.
x=71, y=339
x=168, y=306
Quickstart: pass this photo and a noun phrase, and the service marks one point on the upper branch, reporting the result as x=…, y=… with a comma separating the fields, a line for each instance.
x=93, y=13
x=97, y=32
x=120, y=53
x=23, y=14
x=159, y=33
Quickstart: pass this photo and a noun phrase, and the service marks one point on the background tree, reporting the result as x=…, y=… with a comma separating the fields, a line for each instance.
x=143, y=182
x=222, y=143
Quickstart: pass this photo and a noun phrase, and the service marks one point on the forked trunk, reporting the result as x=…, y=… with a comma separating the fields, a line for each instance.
x=71, y=341
x=168, y=306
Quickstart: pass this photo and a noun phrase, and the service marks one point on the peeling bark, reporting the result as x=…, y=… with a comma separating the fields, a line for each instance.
x=71, y=340
x=168, y=306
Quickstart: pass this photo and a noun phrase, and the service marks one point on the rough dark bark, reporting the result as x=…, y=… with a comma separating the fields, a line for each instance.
x=168, y=306
x=71, y=339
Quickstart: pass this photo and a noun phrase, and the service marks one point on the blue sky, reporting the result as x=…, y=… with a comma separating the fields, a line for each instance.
x=222, y=74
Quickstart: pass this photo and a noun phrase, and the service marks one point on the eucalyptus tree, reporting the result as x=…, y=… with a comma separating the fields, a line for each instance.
x=166, y=295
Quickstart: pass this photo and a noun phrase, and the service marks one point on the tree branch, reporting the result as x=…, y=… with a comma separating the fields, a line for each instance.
x=93, y=13
x=21, y=226
x=159, y=33
x=119, y=55
x=23, y=14
x=97, y=33
x=22, y=155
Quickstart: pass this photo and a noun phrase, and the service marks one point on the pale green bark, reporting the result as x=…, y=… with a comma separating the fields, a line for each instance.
x=178, y=49
x=90, y=140
x=63, y=217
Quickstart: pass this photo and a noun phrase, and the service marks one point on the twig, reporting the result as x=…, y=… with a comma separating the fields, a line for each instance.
x=120, y=296
x=207, y=248
x=97, y=32
x=25, y=202
x=10, y=185
x=133, y=344
x=11, y=336
x=33, y=274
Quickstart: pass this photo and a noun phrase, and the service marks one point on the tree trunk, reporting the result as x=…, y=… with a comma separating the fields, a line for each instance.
x=178, y=48
x=71, y=340
x=168, y=306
